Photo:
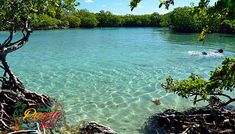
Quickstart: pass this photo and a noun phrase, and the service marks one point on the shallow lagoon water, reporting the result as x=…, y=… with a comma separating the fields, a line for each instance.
x=110, y=75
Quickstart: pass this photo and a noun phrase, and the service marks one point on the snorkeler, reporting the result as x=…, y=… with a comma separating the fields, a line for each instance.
x=204, y=53
x=218, y=51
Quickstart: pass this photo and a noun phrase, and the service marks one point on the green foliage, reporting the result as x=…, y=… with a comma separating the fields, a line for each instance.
x=72, y=20
x=211, y=19
x=12, y=13
x=44, y=21
x=223, y=78
x=201, y=18
x=226, y=4
x=107, y=19
x=145, y=20
x=203, y=3
x=89, y=22
x=186, y=88
x=188, y=19
x=53, y=14
x=84, y=18
x=166, y=3
x=155, y=19
x=45, y=13
x=87, y=19
x=134, y=4
x=182, y=20
x=55, y=8
x=228, y=26
x=41, y=13
x=137, y=20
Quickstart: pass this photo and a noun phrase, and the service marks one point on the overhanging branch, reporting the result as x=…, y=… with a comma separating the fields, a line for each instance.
x=9, y=39
x=18, y=44
x=230, y=99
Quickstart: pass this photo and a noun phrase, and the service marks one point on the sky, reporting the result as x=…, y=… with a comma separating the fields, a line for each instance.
x=122, y=6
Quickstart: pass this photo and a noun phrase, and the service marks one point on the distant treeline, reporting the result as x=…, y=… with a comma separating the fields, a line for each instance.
x=179, y=20
x=86, y=19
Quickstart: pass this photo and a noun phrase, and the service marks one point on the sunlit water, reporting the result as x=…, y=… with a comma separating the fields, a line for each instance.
x=111, y=75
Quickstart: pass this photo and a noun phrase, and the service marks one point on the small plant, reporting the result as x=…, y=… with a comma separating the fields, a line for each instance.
x=222, y=79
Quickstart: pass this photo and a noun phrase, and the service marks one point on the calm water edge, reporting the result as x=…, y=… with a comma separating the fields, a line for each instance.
x=110, y=75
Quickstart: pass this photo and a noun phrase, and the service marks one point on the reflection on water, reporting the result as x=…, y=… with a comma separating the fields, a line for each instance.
x=213, y=41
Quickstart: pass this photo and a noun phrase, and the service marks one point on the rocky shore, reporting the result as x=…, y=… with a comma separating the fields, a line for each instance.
x=207, y=120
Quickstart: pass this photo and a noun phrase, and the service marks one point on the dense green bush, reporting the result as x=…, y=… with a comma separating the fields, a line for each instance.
x=63, y=23
x=165, y=20
x=182, y=20
x=145, y=20
x=89, y=22
x=44, y=21
x=228, y=26
x=155, y=19
x=137, y=20
x=107, y=19
x=72, y=20
x=87, y=19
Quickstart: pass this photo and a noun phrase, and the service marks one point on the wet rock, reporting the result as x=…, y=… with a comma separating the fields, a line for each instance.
x=95, y=128
x=206, y=120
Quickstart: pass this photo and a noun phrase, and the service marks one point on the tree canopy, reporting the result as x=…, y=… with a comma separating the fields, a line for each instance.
x=12, y=13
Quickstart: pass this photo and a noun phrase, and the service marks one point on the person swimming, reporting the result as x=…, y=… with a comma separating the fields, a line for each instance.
x=204, y=53
x=218, y=51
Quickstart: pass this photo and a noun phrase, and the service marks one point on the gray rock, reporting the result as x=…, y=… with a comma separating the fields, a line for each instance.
x=95, y=128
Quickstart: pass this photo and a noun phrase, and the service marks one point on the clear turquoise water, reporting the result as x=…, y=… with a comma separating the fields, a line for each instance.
x=111, y=75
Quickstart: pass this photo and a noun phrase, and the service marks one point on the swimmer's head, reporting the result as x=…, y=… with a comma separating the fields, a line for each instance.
x=220, y=50
x=204, y=53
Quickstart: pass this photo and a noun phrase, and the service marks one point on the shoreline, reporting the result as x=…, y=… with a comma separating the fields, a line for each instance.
x=61, y=28
x=67, y=28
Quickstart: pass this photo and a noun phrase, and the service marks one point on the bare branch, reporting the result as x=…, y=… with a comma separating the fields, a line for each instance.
x=195, y=101
x=225, y=95
x=2, y=67
x=228, y=102
x=11, y=44
x=18, y=44
x=9, y=39
x=15, y=47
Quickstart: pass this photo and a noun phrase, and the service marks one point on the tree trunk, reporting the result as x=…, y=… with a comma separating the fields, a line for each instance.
x=8, y=70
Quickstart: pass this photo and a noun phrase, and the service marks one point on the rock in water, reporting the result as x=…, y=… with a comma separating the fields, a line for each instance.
x=95, y=128
x=156, y=102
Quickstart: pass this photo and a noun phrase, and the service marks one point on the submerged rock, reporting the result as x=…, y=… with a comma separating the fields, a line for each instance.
x=95, y=128
x=87, y=127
